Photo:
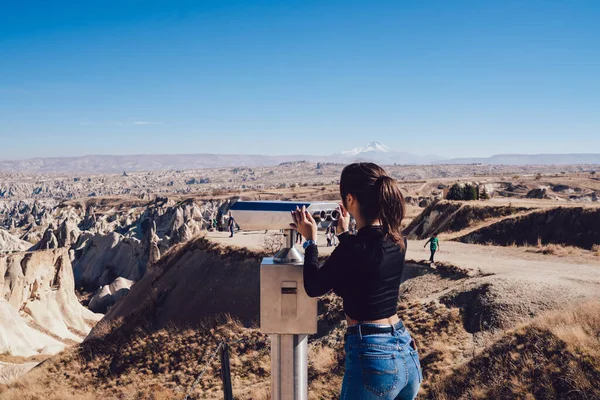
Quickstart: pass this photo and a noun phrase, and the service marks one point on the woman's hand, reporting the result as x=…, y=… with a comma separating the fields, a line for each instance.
x=304, y=223
x=344, y=220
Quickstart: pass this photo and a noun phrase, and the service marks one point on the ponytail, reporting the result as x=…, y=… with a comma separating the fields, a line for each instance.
x=379, y=197
x=391, y=206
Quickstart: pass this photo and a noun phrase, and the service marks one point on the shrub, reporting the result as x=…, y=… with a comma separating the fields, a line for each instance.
x=472, y=192
x=455, y=192
x=484, y=195
x=272, y=243
x=466, y=192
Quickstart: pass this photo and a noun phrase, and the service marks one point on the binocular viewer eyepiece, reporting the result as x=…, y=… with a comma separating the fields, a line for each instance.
x=326, y=215
x=275, y=215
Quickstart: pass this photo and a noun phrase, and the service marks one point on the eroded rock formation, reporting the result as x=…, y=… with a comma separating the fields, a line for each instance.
x=10, y=243
x=39, y=311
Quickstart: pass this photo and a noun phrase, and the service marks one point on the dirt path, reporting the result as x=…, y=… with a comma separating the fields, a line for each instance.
x=490, y=259
x=511, y=284
x=483, y=224
x=513, y=261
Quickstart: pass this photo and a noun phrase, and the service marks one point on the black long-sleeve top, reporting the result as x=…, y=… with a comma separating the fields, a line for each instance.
x=365, y=270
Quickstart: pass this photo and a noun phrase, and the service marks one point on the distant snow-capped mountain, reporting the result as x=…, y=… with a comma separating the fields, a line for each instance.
x=382, y=154
x=369, y=148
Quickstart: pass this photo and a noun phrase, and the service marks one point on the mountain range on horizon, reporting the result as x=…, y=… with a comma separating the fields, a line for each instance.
x=373, y=151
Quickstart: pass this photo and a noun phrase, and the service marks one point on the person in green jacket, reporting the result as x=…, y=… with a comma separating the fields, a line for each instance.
x=434, y=245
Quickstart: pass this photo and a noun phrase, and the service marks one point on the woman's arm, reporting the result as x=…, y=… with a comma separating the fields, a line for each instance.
x=320, y=279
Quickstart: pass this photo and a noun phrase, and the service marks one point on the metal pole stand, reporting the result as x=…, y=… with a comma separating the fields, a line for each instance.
x=289, y=352
x=287, y=313
x=289, y=367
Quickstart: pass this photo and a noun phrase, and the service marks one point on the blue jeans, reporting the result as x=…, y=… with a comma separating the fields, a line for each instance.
x=382, y=366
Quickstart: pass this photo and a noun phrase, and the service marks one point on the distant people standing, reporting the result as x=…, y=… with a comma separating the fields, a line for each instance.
x=231, y=224
x=434, y=245
x=328, y=236
x=298, y=238
x=220, y=221
x=333, y=235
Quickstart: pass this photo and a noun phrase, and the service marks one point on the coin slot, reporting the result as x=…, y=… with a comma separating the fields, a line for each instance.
x=289, y=299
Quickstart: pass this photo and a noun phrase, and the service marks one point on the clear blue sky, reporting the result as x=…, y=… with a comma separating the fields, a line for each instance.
x=453, y=78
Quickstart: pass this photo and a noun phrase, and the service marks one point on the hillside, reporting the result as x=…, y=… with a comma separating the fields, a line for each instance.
x=508, y=225
x=155, y=340
x=572, y=226
x=153, y=343
x=555, y=357
x=449, y=216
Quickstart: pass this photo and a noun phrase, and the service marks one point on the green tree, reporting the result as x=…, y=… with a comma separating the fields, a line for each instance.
x=484, y=194
x=466, y=191
x=455, y=192
x=470, y=192
x=474, y=192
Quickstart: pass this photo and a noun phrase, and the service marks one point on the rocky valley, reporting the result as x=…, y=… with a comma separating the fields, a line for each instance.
x=123, y=284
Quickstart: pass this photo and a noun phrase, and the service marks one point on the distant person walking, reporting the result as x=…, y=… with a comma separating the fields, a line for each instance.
x=231, y=224
x=434, y=245
x=298, y=238
x=328, y=236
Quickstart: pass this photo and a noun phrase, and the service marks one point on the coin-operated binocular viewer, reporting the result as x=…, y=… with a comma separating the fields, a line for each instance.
x=287, y=313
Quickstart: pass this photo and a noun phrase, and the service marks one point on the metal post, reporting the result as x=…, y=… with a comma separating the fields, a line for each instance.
x=289, y=354
x=275, y=367
x=301, y=366
x=290, y=238
x=289, y=367
x=288, y=253
x=226, y=373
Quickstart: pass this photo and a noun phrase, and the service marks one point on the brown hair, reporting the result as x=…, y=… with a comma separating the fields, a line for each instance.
x=378, y=196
